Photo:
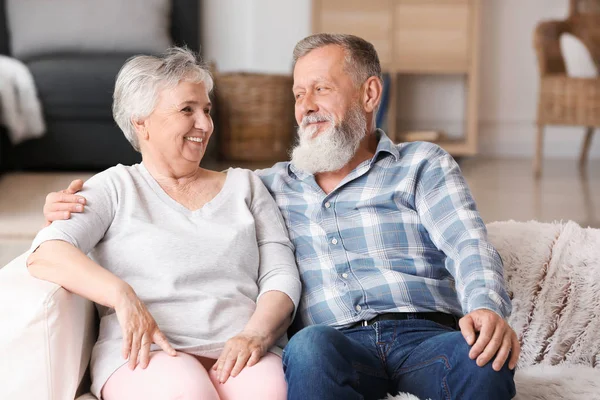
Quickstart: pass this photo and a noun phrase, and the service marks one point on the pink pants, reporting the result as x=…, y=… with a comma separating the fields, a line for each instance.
x=183, y=377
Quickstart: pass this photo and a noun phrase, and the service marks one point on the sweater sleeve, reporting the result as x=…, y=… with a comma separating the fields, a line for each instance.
x=277, y=270
x=84, y=230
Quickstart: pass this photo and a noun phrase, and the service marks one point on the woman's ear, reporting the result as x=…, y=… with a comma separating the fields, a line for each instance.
x=372, y=90
x=140, y=126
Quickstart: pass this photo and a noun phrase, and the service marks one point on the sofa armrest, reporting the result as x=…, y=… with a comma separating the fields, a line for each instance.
x=46, y=338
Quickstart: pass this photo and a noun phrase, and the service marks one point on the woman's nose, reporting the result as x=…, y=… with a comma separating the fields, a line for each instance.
x=203, y=122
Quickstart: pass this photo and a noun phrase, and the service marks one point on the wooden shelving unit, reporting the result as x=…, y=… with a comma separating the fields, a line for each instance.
x=415, y=37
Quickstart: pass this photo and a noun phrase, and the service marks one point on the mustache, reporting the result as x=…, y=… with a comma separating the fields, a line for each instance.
x=314, y=118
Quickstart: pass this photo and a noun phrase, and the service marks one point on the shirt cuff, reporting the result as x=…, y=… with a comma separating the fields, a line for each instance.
x=489, y=300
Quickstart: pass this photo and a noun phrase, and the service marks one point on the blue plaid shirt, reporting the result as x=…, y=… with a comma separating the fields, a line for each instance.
x=400, y=233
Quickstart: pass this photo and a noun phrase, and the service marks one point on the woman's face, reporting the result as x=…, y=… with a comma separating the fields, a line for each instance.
x=180, y=125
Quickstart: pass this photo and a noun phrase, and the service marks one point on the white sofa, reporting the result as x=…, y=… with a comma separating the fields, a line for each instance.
x=46, y=337
x=552, y=271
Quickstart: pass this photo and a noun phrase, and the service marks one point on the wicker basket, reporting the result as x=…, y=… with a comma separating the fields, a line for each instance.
x=255, y=114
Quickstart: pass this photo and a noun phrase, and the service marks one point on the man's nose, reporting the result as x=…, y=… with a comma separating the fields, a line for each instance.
x=309, y=105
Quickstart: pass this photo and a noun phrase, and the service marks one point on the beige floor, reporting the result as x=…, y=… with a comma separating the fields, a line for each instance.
x=503, y=189
x=22, y=197
x=506, y=189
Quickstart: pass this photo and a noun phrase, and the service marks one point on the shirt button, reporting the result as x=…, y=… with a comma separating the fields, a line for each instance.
x=345, y=275
x=327, y=205
x=334, y=241
x=358, y=307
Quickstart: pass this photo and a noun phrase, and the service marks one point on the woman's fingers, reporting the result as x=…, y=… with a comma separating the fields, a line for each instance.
x=240, y=363
x=145, y=351
x=227, y=366
x=161, y=340
x=254, y=358
x=135, y=349
x=126, y=350
x=221, y=361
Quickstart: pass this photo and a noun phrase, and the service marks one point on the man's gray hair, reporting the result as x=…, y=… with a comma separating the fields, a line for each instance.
x=362, y=61
x=142, y=78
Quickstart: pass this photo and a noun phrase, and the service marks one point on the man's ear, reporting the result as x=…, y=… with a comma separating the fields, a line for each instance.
x=372, y=90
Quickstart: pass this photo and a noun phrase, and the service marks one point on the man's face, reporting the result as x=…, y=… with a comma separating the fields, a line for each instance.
x=331, y=121
x=323, y=89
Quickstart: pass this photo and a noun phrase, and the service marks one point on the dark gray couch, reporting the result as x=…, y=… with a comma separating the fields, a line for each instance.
x=76, y=95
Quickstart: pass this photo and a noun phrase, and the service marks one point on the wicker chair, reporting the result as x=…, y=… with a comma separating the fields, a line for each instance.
x=564, y=100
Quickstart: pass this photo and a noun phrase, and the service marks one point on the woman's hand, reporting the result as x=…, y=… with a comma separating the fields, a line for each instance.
x=242, y=350
x=139, y=331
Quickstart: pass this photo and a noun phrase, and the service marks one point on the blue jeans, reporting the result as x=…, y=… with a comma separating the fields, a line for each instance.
x=416, y=356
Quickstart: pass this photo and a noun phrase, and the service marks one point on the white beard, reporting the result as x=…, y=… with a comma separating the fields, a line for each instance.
x=333, y=148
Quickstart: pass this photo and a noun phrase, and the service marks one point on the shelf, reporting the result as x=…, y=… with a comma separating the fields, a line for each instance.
x=414, y=37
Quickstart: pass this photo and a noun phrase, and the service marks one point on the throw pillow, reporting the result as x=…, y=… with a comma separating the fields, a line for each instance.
x=578, y=61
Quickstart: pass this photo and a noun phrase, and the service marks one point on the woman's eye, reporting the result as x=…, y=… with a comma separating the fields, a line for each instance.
x=207, y=111
x=187, y=109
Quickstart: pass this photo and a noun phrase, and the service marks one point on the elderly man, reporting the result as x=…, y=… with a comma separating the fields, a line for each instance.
x=402, y=290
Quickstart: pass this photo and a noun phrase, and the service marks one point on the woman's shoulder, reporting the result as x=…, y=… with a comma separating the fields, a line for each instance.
x=116, y=177
x=243, y=175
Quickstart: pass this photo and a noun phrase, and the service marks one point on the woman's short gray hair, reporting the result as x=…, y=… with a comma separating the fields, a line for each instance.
x=362, y=61
x=141, y=79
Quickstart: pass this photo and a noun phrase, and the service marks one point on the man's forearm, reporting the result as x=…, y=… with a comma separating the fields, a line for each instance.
x=480, y=279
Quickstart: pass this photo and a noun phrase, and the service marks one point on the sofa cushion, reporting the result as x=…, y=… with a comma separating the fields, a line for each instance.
x=77, y=87
x=39, y=27
x=75, y=145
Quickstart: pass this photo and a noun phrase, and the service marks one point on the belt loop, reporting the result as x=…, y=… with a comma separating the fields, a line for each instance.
x=364, y=323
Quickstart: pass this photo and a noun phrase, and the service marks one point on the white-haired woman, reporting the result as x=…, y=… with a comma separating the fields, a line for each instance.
x=192, y=270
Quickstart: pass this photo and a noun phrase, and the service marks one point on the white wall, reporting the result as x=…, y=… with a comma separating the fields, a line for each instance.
x=253, y=35
x=259, y=35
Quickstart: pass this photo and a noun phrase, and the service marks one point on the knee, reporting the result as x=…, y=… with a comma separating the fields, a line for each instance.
x=492, y=384
x=312, y=345
x=485, y=379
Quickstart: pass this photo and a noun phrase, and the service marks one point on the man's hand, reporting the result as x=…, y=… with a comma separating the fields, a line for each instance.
x=496, y=338
x=60, y=205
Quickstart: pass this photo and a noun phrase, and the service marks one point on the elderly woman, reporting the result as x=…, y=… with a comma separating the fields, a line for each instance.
x=192, y=270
